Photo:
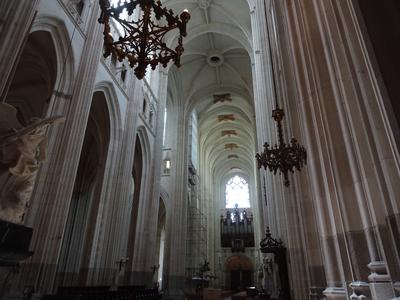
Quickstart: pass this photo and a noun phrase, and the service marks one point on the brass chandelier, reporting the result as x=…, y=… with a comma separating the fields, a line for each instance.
x=141, y=41
x=281, y=157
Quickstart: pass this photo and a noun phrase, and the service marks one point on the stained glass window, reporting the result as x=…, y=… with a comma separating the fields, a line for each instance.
x=237, y=192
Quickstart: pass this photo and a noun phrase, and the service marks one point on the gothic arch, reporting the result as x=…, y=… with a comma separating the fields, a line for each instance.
x=43, y=67
x=140, y=173
x=65, y=62
x=88, y=196
x=113, y=107
x=109, y=183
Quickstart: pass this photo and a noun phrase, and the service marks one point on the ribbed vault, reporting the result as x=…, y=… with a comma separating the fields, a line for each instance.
x=216, y=82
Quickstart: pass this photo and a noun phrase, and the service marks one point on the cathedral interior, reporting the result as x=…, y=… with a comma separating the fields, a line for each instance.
x=249, y=151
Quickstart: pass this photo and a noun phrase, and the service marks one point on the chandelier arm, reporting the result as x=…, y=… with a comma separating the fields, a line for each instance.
x=127, y=24
x=163, y=29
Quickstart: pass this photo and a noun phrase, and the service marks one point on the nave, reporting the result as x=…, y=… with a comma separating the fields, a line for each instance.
x=250, y=151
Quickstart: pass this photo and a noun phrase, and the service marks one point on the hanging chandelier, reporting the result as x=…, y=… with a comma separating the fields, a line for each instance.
x=141, y=41
x=281, y=157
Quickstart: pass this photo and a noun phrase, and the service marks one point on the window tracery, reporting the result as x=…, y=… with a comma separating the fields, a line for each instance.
x=237, y=193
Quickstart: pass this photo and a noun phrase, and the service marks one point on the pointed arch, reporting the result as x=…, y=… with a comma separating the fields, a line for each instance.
x=140, y=174
x=65, y=63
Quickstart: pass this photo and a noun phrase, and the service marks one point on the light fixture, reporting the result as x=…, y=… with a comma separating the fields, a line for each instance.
x=141, y=41
x=281, y=157
x=167, y=163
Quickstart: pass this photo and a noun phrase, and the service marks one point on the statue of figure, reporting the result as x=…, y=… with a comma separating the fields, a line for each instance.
x=21, y=151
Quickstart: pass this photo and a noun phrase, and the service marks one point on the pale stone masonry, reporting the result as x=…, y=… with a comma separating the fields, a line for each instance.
x=106, y=209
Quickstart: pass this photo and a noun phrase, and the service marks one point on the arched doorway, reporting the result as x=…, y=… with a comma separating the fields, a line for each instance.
x=137, y=170
x=239, y=272
x=83, y=210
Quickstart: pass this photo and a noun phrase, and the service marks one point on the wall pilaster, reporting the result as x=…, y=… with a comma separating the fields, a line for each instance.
x=176, y=225
x=146, y=234
x=123, y=192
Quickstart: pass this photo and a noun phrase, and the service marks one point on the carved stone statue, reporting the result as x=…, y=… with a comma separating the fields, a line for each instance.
x=21, y=151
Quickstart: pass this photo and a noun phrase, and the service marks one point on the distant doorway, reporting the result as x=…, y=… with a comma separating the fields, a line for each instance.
x=239, y=273
x=240, y=279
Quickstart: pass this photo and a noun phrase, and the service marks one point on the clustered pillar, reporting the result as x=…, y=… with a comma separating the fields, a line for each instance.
x=335, y=103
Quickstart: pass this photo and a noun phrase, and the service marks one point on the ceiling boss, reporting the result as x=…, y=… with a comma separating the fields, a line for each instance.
x=140, y=39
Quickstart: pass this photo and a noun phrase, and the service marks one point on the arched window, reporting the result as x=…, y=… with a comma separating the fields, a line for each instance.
x=237, y=192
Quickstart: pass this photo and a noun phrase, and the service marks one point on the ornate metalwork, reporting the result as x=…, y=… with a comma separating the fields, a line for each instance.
x=282, y=157
x=269, y=244
x=142, y=41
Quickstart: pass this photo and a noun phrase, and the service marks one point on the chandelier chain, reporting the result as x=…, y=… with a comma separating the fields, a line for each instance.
x=281, y=157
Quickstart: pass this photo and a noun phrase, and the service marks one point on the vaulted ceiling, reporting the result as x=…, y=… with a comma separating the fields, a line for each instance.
x=216, y=79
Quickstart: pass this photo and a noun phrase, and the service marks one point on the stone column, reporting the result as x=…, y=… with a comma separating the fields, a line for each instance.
x=16, y=18
x=282, y=210
x=271, y=213
x=339, y=99
x=123, y=196
x=176, y=224
x=146, y=241
x=299, y=53
x=346, y=49
x=263, y=104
